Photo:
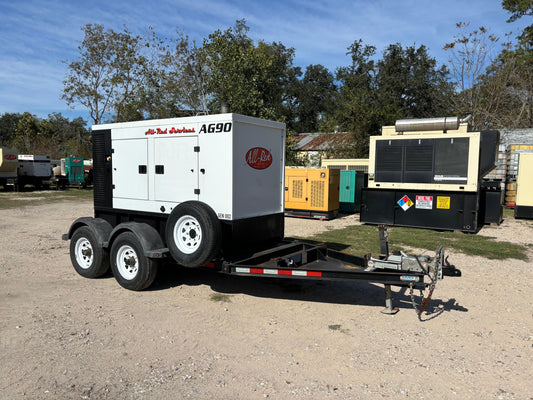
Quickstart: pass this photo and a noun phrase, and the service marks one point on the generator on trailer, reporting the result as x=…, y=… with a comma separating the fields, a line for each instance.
x=208, y=191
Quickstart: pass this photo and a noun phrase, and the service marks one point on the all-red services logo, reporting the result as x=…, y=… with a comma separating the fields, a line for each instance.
x=76, y=160
x=259, y=158
x=10, y=157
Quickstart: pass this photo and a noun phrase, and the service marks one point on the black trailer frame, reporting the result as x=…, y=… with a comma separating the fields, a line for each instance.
x=300, y=260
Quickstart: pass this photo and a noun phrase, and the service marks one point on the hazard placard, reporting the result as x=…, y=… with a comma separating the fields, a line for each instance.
x=424, y=202
x=405, y=203
x=443, y=202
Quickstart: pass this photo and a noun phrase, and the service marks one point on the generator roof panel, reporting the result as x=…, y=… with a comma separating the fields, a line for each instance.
x=197, y=119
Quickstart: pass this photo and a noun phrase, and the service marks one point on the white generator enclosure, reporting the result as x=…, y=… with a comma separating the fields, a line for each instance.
x=232, y=163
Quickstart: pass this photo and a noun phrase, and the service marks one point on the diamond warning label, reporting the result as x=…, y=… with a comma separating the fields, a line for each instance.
x=405, y=203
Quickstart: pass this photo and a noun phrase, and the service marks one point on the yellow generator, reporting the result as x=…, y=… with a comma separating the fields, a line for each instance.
x=312, y=192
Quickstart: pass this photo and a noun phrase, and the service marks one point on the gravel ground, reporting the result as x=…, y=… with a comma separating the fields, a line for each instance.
x=201, y=335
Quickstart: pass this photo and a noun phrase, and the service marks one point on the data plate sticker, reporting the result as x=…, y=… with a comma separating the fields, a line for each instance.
x=443, y=202
x=409, y=278
x=405, y=203
x=424, y=202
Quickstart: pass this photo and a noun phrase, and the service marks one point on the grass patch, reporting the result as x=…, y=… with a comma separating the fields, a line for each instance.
x=337, y=328
x=363, y=239
x=220, y=298
x=30, y=198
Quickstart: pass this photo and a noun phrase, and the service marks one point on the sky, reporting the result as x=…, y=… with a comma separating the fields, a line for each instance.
x=38, y=38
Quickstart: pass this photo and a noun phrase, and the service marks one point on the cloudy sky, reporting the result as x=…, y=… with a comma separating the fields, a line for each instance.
x=37, y=36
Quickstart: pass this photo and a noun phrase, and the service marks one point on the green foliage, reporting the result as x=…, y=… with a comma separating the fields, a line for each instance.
x=315, y=95
x=410, y=84
x=518, y=8
x=251, y=78
x=105, y=76
x=55, y=136
x=25, y=134
x=404, y=83
x=8, y=122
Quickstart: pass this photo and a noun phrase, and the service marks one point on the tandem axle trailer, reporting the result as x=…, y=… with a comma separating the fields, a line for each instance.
x=208, y=192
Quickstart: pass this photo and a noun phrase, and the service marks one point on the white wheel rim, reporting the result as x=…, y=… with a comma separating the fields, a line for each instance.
x=187, y=234
x=127, y=262
x=84, y=253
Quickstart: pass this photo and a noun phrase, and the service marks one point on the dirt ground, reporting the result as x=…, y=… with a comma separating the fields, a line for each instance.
x=202, y=335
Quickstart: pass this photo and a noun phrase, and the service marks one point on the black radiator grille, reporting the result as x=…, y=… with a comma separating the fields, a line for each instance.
x=102, y=178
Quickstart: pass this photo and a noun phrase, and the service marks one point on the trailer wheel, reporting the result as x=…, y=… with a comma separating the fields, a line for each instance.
x=131, y=268
x=193, y=234
x=88, y=258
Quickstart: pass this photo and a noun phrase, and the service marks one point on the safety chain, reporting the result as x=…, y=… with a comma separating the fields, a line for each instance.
x=431, y=286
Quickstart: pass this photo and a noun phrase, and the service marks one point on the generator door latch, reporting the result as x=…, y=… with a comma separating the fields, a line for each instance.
x=160, y=169
x=196, y=191
x=196, y=149
x=142, y=169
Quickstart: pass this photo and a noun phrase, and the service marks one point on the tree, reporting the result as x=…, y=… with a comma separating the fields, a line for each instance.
x=252, y=79
x=518, y=8
x=410, y=85
x=26, y=131
x=59, y=137
x=174, y=80
x=471, y=52
x=315, y=96
x=8, y=122
x=105, y=77
x=357, y=111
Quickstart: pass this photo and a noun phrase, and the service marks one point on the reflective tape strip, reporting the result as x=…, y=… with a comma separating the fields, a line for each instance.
x=268, y=271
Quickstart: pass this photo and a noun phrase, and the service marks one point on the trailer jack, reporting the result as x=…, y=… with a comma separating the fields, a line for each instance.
x=388, y=302
x=434, y=269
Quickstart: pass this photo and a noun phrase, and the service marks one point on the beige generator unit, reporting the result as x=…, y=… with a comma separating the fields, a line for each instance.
x=524, y=187
x=312, y=192
x=8, y=167
x=427, y=173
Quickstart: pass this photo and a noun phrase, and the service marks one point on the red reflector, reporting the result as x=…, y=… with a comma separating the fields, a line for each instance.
x=314, y=273
x=210, y=265
x=284, y=272
x=256, y=270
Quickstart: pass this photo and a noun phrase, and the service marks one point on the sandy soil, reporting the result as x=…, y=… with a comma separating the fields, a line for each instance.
x=66, y=337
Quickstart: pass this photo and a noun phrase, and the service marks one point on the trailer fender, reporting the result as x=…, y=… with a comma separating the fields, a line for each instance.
x=151, y=242
x=100, y=227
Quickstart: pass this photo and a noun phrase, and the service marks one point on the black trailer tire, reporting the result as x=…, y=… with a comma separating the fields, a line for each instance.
x=131, y=268
x=88, y=258
x=193, y=234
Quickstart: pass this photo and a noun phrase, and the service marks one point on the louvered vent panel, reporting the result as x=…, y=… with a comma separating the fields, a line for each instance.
x=317, y=194
x=297, y=189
